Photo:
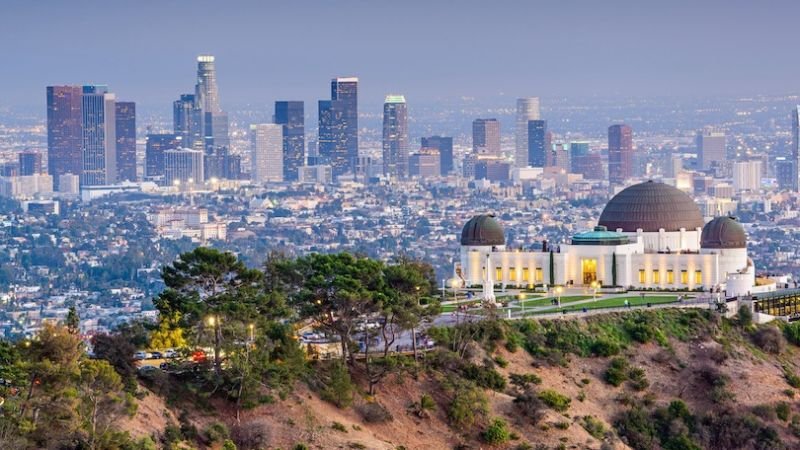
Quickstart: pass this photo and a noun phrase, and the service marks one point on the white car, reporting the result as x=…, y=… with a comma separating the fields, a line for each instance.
x=170, y=354
x=141, y=355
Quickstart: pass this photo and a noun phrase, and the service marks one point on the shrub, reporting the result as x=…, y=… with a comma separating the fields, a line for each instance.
x=251, y=435
x=617, y=371
x=637, y=428
x=497, y=432
x=338, y=426
x=339, y=388
x=791, y=378
x=581, y=395
x=605, y=347
x=770, y=340
x=423, y=407
x=485, y=377
x=638, y=379
x=594, y=426
x=500, y=361
x=373, y=412
x=522, y=381
x=555, y=400
x=216, y=432
x=469, y=405
x=765, y=412
x=300, y=447
x=562, y=425
x=529, y=406
x=792, y=332
x=782, y=410
x=228, y=445
x=745, y=316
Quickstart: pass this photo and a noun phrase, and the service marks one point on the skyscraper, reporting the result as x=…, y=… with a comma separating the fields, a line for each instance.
x=291, y=115
x=213, y=121
x=395, y=136
x=577, y=151
x=445, y=147
x=338, y=126
x=486, y=137
x=710, y=148
x=527, y=109
x=30, y=163
x=99, y=144
x=156, y=145
x=266, y=157
x=537, y=143
x=183, y=166
x=186, y=119
x=64, y=136
x=620, y=153
x=125, y=115
x=796, y=149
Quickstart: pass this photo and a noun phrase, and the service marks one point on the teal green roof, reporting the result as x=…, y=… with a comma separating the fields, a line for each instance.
x=600, y=236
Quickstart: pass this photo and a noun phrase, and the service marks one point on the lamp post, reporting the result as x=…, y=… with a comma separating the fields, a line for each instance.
x=594, y=290
x=559, y=290
x=214, y=323
x=454, y=285
x=252, y=328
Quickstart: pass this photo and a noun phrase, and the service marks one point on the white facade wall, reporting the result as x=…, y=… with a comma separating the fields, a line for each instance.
x=266, y=158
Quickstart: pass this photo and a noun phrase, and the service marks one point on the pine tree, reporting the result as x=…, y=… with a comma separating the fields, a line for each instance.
x=614, y=269
x=552, y=269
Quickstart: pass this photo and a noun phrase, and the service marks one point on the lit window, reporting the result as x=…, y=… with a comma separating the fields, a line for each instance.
x=512, y=274
x=498, y=273
x=698, y=277
x=526, y=274
x=642, y=276
x=656, y=277
x=670, y=277
x=684, y=277
x=539, y=274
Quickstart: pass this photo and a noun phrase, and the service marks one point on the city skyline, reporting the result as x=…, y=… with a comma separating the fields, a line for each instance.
x=665, y=61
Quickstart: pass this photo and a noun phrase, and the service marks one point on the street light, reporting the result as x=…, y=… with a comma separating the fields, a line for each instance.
x=454, y=285
x=559, y=290
x=594, y=290
x=252, y=328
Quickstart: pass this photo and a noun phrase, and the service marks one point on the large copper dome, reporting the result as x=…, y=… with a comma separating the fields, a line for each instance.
x=482, y=230
x=651, y=206
x=723, y=232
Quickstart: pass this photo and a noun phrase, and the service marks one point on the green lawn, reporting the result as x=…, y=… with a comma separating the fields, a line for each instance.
x=547, y=300
x=616, y=302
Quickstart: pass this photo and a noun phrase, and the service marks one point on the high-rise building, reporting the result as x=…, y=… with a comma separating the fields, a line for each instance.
x=785, y=173
x=710, y=148
x=445, y=147
x=156, y=145
x=395, y=136
x=125, y=116
x=796, y=149
x=486, y=137
x=527, y=109
x=747, y=175
x=98, y=111
x=577, y=151
x=64, y=136
x=183, y=166
x=186, y=120
x=620, y=153
x=206, y=91
x=338, y=126
x=291, y=115
x=30, y=163
x=266, y=152
x=425, y=163
x=492, y=169
x=537, y=143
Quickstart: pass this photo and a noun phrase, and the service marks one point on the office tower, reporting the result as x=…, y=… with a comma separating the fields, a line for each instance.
x=425, y=163
x=125, y=116
x=561, y=157
x=747, y=175
x=796, y=149
x=492, y=170
x=98, y=123
x=785, y=173
x=186, y=120
x=9, y=170
x=216, y=134
x=183, y=166
x=710, y=148
x=527, y=109
x=156, y=145
x=395, y=136
x=445, y=147
x=266, y=152
x=212, y=120
x=30, y=163
x=338, y=126
x=206, y=91
x=590, y=166
x=620, y=153
x=577, y=153
x=537, y=143
x=486, y=137
x=291, y=115
x=64, y=136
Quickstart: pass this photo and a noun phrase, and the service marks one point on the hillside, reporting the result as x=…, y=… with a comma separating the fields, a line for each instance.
x=735, y=383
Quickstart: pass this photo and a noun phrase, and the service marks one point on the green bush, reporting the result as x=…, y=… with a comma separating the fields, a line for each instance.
x=791, y=378
x=555, y=400
x=338, y=426
x=638, y=379
x=782, y=410
x=497, y=432
x=469, y=405
x=769, y=339
x=528, y=405
x=792, y=332
x=485, y=377
x=216, y=432
x=745, y=316
x=500, y=361
x=617, y=371
x=605, y=347
x=523, y=380
x=594, y=427
x=228, y=445
x=339, y=388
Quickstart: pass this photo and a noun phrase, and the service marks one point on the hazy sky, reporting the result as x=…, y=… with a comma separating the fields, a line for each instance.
x=145, y=50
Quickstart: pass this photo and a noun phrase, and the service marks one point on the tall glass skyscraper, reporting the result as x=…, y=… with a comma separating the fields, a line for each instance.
x=527, y=109
x=537, y=143
x=395, y=136
x=338, y=126
x=291, y=115
x=99, y=143
x=445, y=147
x=620, y=153
x=64, y=136
x=266, y=153
x=213, y=121
x=185, y=119
x=157, y=144
x=796, y=149
x=126, y=140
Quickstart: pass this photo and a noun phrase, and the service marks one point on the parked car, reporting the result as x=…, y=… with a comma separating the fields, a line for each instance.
x=156, y=355
x=170, y=354
x=140, y=355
